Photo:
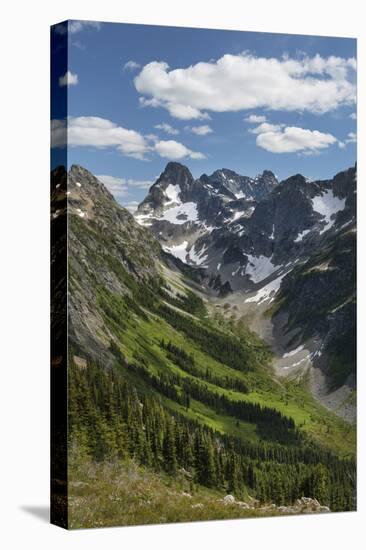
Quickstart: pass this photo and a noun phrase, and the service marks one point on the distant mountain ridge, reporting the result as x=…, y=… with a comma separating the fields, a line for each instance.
x=179, y=208
x=244, y=228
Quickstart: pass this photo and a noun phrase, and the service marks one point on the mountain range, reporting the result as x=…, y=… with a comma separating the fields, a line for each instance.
x=286, y=247
x=211, y=336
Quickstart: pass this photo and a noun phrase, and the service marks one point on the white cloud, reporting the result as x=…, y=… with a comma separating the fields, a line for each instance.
x=240, y=82
x=90, y=131
x=100, y=133
x=341, y=144
x=174, y=150
x=167, y=128
x=183, y=112
x=117, y=186
x=120, y=186
x=131, y=65
x=68, y=79
x=266, y=127
x=255, y=119
x=352, y=138
x=353, y=116
x=294, y=140
x=201, y=130
x=139, y=184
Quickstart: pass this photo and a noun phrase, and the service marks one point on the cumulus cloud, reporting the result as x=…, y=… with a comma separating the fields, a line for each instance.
x=183, y=112
x=201, y=130
x=167, y=128
x=174, y=150
x=240, y=82
x=255, y=119
x=353, y=116
x=90, y=131
x=131, y=65
x=68, y=79
x=292, y=139
x=98, y=132
x=266, y=127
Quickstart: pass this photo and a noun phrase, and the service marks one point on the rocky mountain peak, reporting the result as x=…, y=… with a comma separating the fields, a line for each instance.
x=172, y=187
x=79, y=171
x=86, y=195
x=176, y=174
x=268, y=174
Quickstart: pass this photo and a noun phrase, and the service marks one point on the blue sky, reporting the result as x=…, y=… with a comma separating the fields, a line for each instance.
x=139, y=96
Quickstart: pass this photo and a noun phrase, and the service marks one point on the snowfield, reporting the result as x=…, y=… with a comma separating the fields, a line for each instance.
x=178, y=250
x=259, y=268
x=178, y=215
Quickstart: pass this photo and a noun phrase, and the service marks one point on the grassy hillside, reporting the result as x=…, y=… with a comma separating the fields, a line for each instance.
x=140, y=341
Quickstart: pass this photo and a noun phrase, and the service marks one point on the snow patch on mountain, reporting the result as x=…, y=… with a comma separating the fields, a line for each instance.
x=172, y=192
x=327, y=205
x=186, y=212
x=293, y=352
x=178, y=250
x=301, y=235
x=259, y=268
x=237, y=215
x=144, y=219
x=197, y=258
x=268, y=292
